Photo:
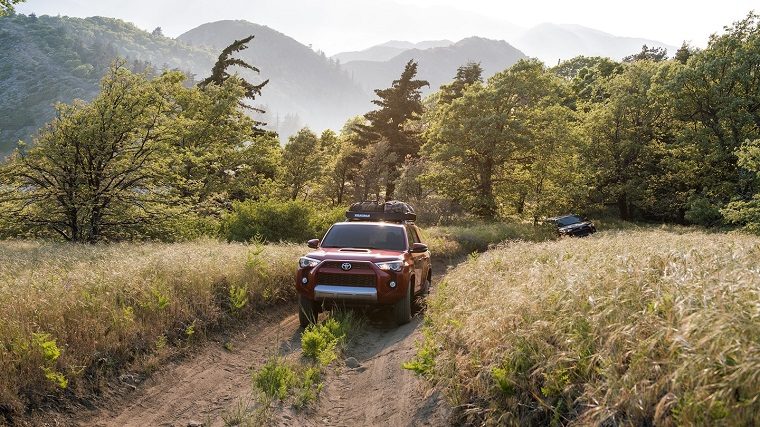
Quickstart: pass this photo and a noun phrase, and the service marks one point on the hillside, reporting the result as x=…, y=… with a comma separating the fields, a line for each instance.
x=437, y=65
x=57, y=59
x=552, y=42
x=301, y=81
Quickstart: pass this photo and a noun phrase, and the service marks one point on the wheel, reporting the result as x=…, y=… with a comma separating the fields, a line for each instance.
x=419, y=299
x=307, y=312
x=402, y=310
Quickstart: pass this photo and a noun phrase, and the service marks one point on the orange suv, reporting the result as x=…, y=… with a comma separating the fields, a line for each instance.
x=375, y=257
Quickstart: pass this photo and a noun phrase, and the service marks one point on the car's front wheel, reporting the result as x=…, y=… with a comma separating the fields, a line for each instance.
x=402, y=310
x=307, y=311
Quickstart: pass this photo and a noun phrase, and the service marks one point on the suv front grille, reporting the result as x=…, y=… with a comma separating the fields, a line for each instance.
x=338, y=279
x=354, y=265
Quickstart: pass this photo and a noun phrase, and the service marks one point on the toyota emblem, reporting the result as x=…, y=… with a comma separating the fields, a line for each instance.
x=345, y=266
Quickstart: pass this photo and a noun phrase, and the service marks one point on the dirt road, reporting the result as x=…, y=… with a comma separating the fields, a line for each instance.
x=373, y=389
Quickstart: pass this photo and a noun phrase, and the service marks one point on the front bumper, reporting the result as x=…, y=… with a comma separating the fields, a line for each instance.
x=350, y=293
x=368, y=284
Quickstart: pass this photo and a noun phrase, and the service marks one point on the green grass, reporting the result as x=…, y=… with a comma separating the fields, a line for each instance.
x=634, y=327
x=322, y=342
x=72, y=316
x=459, y=240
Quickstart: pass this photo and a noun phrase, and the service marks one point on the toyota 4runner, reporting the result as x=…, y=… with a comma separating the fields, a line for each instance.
x=374, y=258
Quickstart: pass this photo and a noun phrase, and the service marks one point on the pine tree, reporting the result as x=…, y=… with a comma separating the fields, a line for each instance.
x=467, y=74
x=219, y=73
x=398, y=104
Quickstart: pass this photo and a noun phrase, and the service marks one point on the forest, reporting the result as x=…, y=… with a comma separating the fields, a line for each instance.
x=158, y=156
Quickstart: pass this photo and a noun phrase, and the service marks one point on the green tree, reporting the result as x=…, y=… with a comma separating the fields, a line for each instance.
x=216, y=146
x=624, y=132
x=467, y=75
x=6, y=6
x=98, y=170
x=717, y=97
x=220, y=72
x=302, y=162
x=398, y=104
x=747, y=212
x=481, y=141
x=655, y=54
x=684, y=53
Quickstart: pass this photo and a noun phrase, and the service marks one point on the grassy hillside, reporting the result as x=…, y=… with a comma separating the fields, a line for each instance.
x=625, y=328
x=72, y=316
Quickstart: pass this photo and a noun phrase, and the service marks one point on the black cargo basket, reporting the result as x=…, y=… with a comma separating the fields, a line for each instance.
x=393, y=211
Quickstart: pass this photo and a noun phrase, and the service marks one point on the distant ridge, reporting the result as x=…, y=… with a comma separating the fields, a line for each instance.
x=437, y=65
x=388, y=50
x=553, y=42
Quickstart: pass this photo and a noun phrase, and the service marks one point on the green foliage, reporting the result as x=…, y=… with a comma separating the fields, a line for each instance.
x=302, y=162
x=238, y=297
x=50, y=352
x=319, y=341
x=274, y=220
x=502, y=143
x=308, y=387
x=391, y=125
x=6, y=6
x=275, y=378
x=424, y=361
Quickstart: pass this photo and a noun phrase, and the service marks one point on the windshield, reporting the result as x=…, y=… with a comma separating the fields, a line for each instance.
x=569, y=220
x=365, y=236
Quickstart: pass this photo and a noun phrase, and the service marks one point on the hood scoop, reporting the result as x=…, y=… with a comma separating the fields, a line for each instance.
x=365, y=251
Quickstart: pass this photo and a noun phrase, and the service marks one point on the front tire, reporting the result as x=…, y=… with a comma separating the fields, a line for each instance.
x=402, y=310
x=307, y=311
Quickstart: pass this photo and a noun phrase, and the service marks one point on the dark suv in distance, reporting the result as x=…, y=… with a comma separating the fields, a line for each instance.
x=375, y=258
x=573, y=225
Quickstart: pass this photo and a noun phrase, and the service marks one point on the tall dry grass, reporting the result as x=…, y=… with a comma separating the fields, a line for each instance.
x=73, y=315
x=624, y=328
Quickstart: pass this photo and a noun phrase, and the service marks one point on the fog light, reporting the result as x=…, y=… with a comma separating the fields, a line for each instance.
x=392, y=284
x=304, y=280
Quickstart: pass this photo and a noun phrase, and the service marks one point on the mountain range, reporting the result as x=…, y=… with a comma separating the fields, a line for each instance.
x=45, y=60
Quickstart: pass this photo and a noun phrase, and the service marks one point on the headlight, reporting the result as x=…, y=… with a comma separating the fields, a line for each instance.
x=391, y=265
x=306, y=262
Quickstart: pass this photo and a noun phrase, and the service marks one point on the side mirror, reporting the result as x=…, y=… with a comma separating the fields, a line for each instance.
x=419, y=248
x=313, y=243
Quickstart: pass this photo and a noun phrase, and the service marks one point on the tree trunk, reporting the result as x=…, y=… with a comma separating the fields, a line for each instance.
x=486, y=205
x=622, y=203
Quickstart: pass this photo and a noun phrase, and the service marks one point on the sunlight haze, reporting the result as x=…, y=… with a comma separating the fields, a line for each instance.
x=342, y=25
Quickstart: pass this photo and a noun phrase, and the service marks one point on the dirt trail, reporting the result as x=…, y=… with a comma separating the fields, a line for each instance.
x=203, y=388
x=377, y=391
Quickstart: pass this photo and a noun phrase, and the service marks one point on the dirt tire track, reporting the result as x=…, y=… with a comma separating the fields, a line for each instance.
x=207, y=384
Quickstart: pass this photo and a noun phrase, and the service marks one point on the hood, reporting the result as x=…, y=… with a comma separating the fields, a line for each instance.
x=575, y=226
x=371, y=255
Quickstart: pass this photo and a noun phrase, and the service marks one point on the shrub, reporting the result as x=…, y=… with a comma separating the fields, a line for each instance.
x=624, y=328
x=275, y=378
x=320, y=342
x=274, y=221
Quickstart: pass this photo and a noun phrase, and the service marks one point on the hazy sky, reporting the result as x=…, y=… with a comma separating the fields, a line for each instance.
x=339, y=25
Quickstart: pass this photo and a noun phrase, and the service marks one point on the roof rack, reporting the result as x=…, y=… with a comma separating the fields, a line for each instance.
x=392, y=211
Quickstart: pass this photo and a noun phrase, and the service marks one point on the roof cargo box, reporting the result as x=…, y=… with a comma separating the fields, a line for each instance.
x=392, y=211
